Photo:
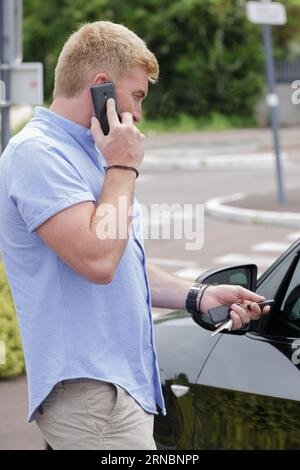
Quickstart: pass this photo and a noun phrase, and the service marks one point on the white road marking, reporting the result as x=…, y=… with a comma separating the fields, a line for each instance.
x=189, y=274
x=293, y=236
x=192, y=274
x=190, y=270
x=172, y=262
x=270, y=247
x=236, y=258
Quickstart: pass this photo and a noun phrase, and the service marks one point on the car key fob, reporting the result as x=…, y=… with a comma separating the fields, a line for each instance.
x=219, y=314
x=222, y=312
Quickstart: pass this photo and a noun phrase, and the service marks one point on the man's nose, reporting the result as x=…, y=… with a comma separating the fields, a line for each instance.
x=136, y=116
x=137, y=113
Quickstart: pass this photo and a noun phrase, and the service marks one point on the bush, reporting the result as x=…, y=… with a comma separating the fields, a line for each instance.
x=211, y=57
x=9, y=332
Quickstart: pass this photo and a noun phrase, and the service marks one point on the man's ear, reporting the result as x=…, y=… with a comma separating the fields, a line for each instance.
x=100, y=77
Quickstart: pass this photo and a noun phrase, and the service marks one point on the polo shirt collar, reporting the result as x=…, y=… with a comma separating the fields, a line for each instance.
x=80, y=133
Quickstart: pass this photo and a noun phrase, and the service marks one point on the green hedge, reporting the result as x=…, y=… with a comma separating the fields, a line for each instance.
x=210, y=56
x=9, y=332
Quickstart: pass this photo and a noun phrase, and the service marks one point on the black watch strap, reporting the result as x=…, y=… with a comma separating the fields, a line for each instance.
x=191, y=300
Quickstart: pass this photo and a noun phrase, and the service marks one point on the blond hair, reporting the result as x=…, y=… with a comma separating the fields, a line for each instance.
x=101, y=46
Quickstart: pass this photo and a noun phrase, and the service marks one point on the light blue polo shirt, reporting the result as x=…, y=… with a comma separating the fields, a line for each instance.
x=71, y=327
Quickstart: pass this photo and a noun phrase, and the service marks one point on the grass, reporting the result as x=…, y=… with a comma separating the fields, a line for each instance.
x=184, y=123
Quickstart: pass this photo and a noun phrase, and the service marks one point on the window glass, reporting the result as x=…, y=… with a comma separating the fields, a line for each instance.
x=268, y=288
x=239, y=276
x=284, y=319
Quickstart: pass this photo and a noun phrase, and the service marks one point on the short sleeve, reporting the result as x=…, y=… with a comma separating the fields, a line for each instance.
x=41, y=182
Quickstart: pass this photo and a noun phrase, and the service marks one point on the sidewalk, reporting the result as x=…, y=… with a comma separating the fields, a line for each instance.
x=15, y=432
x=260, y=139
x=261, y=208
x=269, y=202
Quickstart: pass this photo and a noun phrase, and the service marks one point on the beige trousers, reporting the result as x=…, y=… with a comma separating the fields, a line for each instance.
x=95, y=415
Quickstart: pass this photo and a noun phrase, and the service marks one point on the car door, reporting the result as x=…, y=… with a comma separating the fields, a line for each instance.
x=248, y=392
x=182, y=348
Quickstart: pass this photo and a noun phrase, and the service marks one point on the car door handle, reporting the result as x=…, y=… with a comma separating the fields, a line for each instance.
x=179, y=390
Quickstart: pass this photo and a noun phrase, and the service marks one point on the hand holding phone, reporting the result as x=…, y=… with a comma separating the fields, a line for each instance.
x=123, y=144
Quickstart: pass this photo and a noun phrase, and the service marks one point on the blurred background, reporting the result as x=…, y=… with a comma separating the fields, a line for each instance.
x=211, y=57
x=208, y=141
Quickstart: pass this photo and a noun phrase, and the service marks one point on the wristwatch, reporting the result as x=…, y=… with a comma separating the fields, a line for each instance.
x=191, y=300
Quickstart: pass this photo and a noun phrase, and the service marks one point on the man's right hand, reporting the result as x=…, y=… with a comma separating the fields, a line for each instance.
x=124, y=145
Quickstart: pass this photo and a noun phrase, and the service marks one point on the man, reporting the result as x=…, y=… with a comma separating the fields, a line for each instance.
x=84, y=299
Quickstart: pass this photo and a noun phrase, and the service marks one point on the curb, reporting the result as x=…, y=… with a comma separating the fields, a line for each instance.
x=155, y=162
x=219, y=208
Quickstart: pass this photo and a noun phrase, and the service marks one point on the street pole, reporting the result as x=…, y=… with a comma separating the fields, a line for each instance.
x=272, y=100
x=5, y=74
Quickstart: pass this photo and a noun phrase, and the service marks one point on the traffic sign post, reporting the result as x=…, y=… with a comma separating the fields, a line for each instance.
x=272, y=101
x=270, y=13
x=20, y=83
x=8, y=13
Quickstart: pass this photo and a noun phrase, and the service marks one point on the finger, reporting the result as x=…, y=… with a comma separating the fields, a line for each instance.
x=96, y=130
x=127, y=118
x=237, y=324
x=243, y=314
x=246, y=294
x=266, y=310
x=254, y=310
x=113, y=119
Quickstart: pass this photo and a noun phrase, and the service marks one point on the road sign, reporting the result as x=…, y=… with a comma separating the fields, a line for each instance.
x=272, y=13
x=26, y=86
x=12, y=30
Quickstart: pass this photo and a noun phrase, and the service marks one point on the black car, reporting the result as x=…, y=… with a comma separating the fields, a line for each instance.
x=235, y=390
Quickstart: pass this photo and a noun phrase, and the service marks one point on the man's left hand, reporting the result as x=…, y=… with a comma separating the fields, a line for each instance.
x=243, y=303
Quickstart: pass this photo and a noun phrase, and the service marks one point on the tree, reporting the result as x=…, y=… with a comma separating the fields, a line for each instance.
x=211, y=57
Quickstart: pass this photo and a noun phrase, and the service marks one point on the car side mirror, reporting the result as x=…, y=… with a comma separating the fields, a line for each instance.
x=244, y=275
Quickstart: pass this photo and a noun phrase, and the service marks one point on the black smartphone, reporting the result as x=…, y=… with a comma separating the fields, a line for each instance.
x=100, y=94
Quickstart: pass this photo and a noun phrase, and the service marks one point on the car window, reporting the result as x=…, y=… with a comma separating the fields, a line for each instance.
x=285, y=320
x=290, y=310
x=269, y=287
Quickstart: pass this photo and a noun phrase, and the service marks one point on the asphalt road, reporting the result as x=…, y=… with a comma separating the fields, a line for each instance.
x=224, y=242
